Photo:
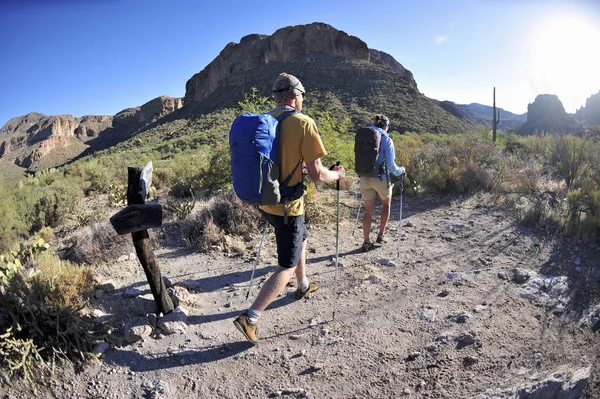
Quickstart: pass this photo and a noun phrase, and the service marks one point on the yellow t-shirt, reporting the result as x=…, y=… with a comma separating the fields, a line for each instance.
x=298, y=139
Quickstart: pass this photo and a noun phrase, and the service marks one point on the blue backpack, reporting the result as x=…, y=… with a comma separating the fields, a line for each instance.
x=254, y=147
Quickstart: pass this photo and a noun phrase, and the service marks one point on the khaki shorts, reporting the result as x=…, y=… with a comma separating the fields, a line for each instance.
x=371, y=186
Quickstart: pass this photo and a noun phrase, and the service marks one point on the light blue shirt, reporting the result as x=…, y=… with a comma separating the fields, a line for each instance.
x=387, y=154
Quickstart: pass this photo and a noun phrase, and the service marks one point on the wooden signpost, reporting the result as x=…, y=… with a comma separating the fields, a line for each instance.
x=136, y=219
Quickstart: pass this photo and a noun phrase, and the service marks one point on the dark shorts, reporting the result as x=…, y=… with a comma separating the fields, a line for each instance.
x=289, y=238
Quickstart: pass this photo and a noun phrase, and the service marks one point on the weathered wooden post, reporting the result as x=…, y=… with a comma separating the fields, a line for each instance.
x=136, y=219
x=495, y=118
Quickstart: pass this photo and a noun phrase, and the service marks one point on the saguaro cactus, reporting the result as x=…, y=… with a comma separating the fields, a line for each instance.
x=495, y=118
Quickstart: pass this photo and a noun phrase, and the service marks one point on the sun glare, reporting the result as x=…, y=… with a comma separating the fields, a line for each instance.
x=566, y=60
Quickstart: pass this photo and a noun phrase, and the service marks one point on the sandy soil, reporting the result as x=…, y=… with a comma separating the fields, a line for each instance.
x=438, y=315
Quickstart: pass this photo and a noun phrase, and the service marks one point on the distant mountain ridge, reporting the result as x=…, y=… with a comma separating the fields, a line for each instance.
x=36, y=140
x=482, y=114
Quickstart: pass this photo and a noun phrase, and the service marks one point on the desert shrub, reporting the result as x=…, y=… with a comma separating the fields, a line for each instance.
x=47, y=206
x=98, y=243
x=223, y=214
x=571, y=158
x=232, y=215
x=515, y=144
x=60, y=284
x=43, y=298
x=216, y=174
x=163, y=177
x=254, y=102
x=13, y=225
x=117, y=195
x=181, y=208
x=320, y=207
x=187, y=168
x=46, y=234
x=337, y=138
x=584, y=211
x=456, y=165
x=539, y=145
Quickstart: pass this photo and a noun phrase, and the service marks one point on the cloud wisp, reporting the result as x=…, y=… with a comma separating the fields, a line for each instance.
x=439, y=40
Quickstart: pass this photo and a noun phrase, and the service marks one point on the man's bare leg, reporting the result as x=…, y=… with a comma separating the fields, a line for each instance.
x=273, y=287
x=301, y=266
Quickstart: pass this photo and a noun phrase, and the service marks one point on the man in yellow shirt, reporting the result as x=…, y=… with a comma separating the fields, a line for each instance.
x=299, y=142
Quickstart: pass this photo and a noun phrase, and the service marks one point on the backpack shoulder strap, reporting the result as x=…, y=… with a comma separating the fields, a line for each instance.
x=284, y=114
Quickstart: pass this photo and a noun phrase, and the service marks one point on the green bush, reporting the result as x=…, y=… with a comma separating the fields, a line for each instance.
x=571, y=158
x=13, y=225
x=47, y=205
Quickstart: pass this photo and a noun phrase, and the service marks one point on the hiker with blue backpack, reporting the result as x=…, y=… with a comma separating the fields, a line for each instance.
x=295, y=141
x=374, y=160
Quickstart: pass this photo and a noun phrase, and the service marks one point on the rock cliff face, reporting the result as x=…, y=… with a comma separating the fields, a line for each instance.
x=547, y=114
x=301, y=43
x=28, y=139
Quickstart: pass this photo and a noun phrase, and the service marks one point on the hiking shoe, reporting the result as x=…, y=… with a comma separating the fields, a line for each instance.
x=381, y=239
x=250, y=331
x=367, y=246
x=312, y=287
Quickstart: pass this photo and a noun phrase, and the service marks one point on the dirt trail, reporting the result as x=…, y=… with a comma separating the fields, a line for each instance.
x=437, y=316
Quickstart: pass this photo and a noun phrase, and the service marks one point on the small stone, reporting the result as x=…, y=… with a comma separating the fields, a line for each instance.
x=407, y=391
x=295, y=337
x=444, y=293
x=123, y=258
x=413, y=355
x=522, y=275
x=318, y=366
x=432, y=347
x=470, y=360
x=461, y=317
x=467, y=338
x=502, y=275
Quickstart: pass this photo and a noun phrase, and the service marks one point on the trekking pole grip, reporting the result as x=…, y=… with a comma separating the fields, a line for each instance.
x=338, y=182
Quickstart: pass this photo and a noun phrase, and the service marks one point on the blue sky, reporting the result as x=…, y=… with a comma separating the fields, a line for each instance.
x=98, y=57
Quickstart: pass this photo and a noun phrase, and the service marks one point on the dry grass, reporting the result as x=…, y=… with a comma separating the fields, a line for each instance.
x=99, y=244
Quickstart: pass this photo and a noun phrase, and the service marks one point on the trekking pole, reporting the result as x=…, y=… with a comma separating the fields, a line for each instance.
x=257, y=257
x=337, y=247
x=359, y=205
x=400, y=221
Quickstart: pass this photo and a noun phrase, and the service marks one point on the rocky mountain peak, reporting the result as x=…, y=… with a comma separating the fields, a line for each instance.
x=301, y=44
x=547, y=114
